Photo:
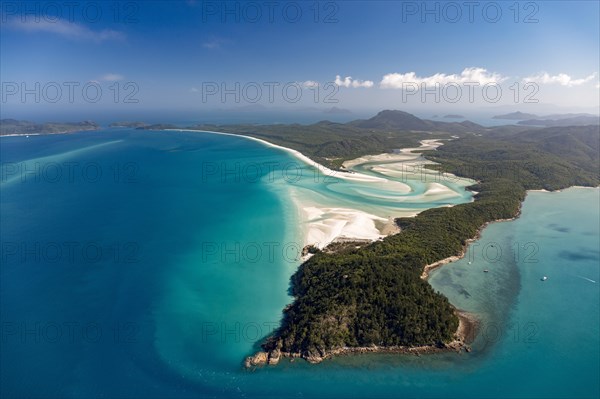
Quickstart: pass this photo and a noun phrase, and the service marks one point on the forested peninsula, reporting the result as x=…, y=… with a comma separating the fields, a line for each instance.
x=373, y=298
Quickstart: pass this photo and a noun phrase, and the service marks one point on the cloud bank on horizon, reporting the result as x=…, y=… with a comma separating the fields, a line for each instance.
x=469, y=76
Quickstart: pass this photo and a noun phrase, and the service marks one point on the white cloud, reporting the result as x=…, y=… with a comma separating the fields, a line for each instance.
x=562, y=79
x=468, y=75
x=349, y=82
x=310, y=84
x=211, y=44
x=215, y=43
x=112, y=77
x=70, y=30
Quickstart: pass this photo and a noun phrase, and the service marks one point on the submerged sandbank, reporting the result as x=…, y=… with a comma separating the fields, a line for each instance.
x=397, y=176
x=397, y=180
x=388, y=178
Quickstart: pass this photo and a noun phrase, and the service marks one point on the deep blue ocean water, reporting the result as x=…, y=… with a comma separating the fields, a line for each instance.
x=149, y=264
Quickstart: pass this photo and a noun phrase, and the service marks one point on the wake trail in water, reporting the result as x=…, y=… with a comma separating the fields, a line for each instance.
x=15, y=171
x=585, y=278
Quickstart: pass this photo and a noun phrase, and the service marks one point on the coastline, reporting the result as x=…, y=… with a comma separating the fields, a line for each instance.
x=30, y=134
x=297, y=154
x=48, y=133
x=323, y=224
x=468, y=323
x=466, y=327
x=463, y=337
x=427, y=269
x=436, y=265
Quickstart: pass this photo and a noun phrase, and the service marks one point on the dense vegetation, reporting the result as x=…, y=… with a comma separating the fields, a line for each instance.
x=550, y=158
x=375, y=296
x=328, y=143
x=331, y=144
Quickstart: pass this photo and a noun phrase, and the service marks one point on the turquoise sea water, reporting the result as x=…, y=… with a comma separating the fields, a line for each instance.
x=149, y=264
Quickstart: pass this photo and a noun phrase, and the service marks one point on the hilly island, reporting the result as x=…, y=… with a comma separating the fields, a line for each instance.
x=371, y=297
x=362, y=296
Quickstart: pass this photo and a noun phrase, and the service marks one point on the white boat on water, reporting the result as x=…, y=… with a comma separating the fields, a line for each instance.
x=544, y=278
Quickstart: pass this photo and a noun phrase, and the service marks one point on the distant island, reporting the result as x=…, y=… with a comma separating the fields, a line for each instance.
x=157, y=126
x=517, y=116
x=580, y=119
x=128, y=124
x=572, y=121
x=13, y=127
x=336, y=110
x=454, y=116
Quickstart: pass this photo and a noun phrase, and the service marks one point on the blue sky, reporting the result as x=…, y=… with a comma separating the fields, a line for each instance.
x=170, y=55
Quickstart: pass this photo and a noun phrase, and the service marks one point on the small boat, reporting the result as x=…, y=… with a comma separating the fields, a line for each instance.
x=544, y=278
x=470, y=263
x=486, y=271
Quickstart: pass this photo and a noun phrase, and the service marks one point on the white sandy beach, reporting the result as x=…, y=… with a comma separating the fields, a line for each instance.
x=326, y=224
x=27, y=135
x=322, y=220
x=324, y=170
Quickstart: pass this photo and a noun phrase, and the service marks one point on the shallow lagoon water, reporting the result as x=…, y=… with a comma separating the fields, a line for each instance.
x=172, y=305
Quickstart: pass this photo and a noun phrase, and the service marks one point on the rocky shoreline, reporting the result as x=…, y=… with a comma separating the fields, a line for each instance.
x=464, y=336
x=432, y=266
